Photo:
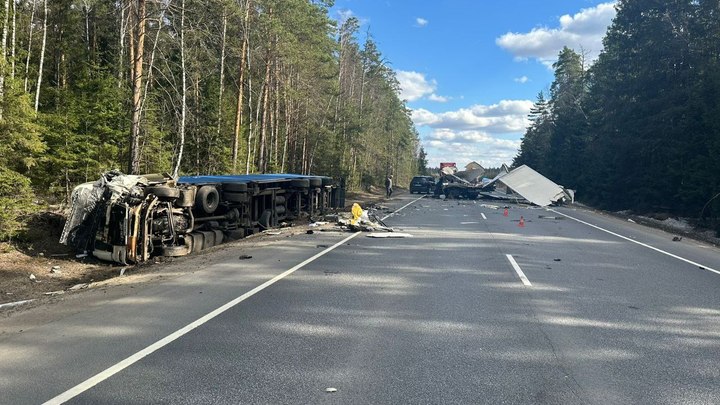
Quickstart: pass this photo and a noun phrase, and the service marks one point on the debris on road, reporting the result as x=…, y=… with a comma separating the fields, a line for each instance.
x=331, y=390
x=363, y=220
x=244, y=257
x=532, y=186
x=53, y=293
x=677, y=238
x=80, y=286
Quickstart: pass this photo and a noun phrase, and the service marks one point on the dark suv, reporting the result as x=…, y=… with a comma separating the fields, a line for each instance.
x=422, y=184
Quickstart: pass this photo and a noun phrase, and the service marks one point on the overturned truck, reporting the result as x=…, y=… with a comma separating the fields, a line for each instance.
x=129, y=219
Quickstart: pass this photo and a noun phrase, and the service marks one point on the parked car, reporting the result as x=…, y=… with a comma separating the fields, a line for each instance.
x=422, y=184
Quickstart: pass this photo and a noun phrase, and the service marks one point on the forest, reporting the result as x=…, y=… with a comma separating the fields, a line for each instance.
x=639, y=129
x=189, y=87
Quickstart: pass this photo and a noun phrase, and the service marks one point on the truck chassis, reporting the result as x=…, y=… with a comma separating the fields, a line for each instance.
x=130, y=219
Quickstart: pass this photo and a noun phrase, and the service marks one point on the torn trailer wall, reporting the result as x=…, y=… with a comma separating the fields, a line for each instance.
x=129, y=219
x=532, y=186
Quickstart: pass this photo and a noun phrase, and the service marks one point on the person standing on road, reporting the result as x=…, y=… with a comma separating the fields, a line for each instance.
x=388, y=186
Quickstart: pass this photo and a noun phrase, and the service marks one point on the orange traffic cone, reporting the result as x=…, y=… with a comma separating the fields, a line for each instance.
x=505, y=213
x=521, y=224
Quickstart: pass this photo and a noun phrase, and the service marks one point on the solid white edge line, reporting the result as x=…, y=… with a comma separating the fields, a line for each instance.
x=483, y=215
x=519, y=271
x=639, y=243
x=109, y=372
x=15, y=304
x=402, y=208
x=127, y=362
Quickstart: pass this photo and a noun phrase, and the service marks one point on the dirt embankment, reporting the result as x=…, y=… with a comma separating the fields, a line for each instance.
x=39, y=266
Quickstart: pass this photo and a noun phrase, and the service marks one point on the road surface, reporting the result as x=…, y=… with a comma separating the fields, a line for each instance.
x=573, y=307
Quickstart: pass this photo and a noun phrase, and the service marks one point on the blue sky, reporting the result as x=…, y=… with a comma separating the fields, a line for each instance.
x=471, y=69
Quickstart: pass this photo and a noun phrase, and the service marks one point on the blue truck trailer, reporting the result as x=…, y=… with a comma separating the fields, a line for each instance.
x=130, y=219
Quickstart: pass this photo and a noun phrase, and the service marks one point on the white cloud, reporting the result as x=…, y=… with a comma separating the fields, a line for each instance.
x=439, y=99
x=507, y=116
x=414, y=85
x=582, y=32
x=488, y=134
x=421, y=22
x=466, y=146
x=522, y=80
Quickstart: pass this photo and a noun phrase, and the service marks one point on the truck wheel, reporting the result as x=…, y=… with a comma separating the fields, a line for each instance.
x=174, y=251
x=452, y=194
x=235, y=197
x=300, y=183
x=207, y=199
x=163, y=191
x=234, y=234
x=235, y=187
x=315, y=182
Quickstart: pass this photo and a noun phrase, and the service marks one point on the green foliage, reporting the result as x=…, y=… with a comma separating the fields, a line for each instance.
x=332, y=106
x=16, y=202
x=640, y=129
x=84, y=132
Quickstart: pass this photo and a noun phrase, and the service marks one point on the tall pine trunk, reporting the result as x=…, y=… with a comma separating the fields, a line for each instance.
x=262, y=159
x=222, y=75
x=241, y=90
x=183, y=91
x=138, y=42
x=42, y=57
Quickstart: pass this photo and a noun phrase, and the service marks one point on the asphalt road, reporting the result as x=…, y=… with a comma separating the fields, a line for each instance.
x=473, y=308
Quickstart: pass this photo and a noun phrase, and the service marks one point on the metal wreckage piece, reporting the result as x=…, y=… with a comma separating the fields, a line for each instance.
x=522, y=184
x=129, y=219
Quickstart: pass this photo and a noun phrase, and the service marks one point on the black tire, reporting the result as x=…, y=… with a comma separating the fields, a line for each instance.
x=174, y=251
x=207, y=199
x=452, y=194
x=219, y=237
x=197, y=241
x=315, y=182
x=163, y=191
x=327, y=181
x=235, y=197
x=208, y=239
x=235, y=234
x=235, y=187
x=300, y=183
